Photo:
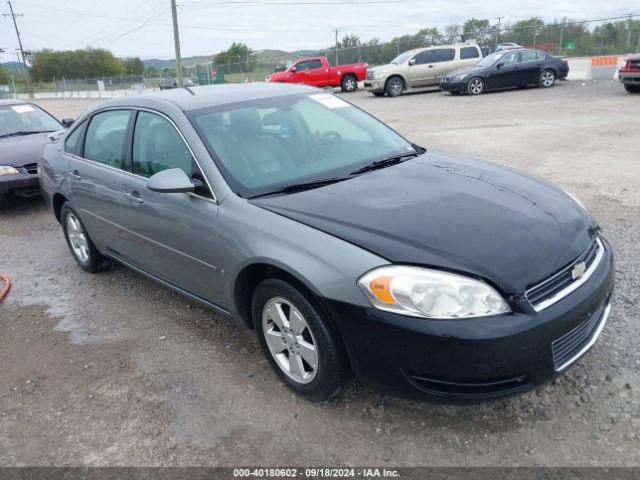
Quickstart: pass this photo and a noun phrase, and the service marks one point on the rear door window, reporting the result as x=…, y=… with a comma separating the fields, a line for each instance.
x=528, y=56
x=469, y=52
x=105, y=138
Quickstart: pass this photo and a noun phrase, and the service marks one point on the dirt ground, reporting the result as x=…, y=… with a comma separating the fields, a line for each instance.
x=112, y=369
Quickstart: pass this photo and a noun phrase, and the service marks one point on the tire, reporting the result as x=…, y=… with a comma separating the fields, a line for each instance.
x=476, y=86
x=349, y=83
x=275, y=301
x=394, y=87
x=632, y=88
x=547, y=79
x=82, y=248
x=378, y=94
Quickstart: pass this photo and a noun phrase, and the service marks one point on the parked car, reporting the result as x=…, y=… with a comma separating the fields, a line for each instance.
x=317, y=72
x=502, y=47
x=419, y=68
x=24, y=128
x=507, y=69
x=629, y=75
x=168, y=83
x=345, y=246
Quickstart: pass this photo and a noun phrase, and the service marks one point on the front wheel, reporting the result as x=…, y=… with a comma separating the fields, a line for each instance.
x=632, y=88
x=349, y=83
x=475, y=86
x=394, y=87
x=82, y=248
x=299, y=340
x=547, y=79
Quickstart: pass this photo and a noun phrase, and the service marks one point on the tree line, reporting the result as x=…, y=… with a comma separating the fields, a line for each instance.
x=83, y=63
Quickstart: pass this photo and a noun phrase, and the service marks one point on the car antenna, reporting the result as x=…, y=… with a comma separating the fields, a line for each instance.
x=189, y=90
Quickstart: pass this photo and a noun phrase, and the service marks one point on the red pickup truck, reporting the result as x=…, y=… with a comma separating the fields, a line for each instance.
x=629, y=75
x=317, y=72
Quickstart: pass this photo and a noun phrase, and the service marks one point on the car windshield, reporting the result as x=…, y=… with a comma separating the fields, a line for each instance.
x=491, y=59
x=22, y=119
x=401, y=58
x=266, y=145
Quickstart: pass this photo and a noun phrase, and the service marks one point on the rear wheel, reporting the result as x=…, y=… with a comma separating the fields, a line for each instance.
x=299, y=340
x=632, y=88
x=547, y=79
x=349, y=83
x=394, y=87
x=82, y=248
x=475, y=86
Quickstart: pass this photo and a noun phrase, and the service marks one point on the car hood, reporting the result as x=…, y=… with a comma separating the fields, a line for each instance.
x=385, y=69
x=22, y=150
x=457, y=214
x=467, y=70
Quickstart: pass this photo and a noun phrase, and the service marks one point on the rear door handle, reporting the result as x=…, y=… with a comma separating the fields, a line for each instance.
x=75, y=175
x=134, y=197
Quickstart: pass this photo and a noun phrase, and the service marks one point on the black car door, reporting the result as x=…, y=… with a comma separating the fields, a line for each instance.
x=531, y=64
x=506, y=72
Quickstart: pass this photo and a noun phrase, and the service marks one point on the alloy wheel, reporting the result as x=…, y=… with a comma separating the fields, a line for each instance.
x=396, y=87
x=290, y=340
x=350, y=84
x=77, y=238
x=476, y=86
x=547, y=78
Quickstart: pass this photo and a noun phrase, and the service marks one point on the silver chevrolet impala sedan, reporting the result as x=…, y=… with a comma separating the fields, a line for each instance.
x=346, y=247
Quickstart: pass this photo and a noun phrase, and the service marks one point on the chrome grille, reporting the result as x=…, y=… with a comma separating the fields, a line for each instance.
x=561, y=284
x=371, y=75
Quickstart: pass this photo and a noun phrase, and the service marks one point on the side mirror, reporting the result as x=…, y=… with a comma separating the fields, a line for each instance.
x=294, y=69
x=412, y=61
x=67, y=122
x=173, y=180
x=500, y=65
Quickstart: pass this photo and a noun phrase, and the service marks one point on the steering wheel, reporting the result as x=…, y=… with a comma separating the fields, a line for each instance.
x=330, y=137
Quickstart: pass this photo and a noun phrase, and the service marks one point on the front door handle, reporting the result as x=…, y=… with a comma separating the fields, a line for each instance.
x=134, y=197
x=75, y=175
x=430, y=66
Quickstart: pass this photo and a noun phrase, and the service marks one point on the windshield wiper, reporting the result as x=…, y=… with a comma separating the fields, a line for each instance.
x=299, y=187
x=385, y=162
x=25, y=132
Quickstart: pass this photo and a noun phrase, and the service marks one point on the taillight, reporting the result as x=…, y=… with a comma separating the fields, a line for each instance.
x=565, y=60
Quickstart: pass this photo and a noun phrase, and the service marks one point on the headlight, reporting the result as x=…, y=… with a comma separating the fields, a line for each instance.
x=461, y=77
x=577, y=200
x=422, y=292
x=8, y=170
x=378, y=76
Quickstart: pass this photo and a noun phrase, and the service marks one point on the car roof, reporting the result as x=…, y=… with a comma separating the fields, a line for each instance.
x=11, y=101
x=192, y=98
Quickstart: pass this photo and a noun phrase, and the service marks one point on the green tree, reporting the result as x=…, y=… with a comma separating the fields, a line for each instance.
x=4, y=77
x=237, y=58
x=84, y=63
x=133, y=66
x=523, y=32
x=478, y=29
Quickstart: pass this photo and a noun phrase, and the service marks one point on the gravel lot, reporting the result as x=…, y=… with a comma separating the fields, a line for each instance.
x=112, y=369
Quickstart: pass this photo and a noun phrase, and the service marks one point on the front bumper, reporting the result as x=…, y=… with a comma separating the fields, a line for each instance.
x=374, y=85
x=451, y=86
x=23, y=184
x=630, y=77
x=477, y=358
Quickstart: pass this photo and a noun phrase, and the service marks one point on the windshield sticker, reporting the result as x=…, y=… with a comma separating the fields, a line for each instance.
x=22, y=108
x=329, y=100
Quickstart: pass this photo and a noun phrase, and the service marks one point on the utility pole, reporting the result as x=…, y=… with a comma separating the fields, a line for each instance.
x=564, y=20
x=629, y=33
x=176, y=41
x=24, y=60
x=336, y=32
x=498, y=33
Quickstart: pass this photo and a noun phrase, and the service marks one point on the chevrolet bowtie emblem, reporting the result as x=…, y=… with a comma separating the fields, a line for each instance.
x=578, y=271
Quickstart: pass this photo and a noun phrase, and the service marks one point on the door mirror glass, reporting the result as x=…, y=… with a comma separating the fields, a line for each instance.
x=173, y=180
x=412, y=61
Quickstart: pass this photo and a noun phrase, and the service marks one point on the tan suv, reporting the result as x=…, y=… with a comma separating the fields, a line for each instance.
x=419, y=68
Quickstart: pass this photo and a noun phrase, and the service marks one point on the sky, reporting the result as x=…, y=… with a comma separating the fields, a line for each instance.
x=143, y=27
